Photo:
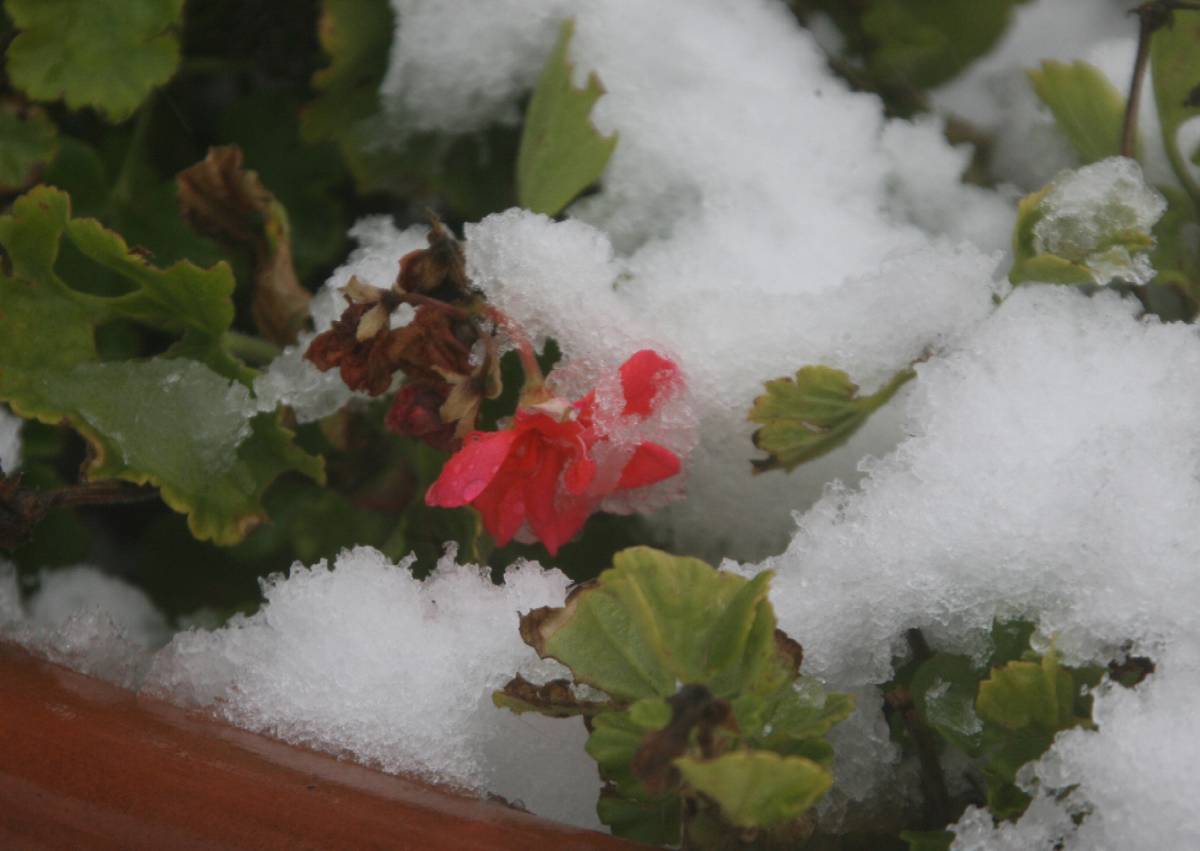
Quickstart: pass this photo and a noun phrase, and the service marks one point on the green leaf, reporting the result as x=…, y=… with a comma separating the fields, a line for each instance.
x=305, y=177
x=757, y=788
x=1176, y=73
x=1029, y=694
x=1176, y=257
x=1010, y=641
x=561, y=151
x=28, y=142
x=168, y=421
x=1087, y=107
x=926, y=42
x=1024, y=705
x=356, y=35
x=652, y=821
x=813, y=413
x=788, y=721
x=943, y=690
x=108, y=54
x=655, y=621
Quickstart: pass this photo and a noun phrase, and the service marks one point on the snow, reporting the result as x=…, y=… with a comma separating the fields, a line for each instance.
x=1086, y=213
x=758, y=217
x=1130, y=776
x=741, y=258
x=10, y=441
x=84, y=619
x=361, y=658
x=1050, y=473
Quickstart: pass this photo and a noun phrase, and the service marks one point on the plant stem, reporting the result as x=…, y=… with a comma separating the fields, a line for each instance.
x=100, y=493
x=933, y=779
x=1152, y=16
x=122, y=191
x=534, y=380
x=251, y=349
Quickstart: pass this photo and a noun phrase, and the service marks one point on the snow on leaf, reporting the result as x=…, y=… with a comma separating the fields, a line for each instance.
x=175, y=421
x=1087, y=107
x=757, y=788
x=108, y=54
x=561, y=151
x=813, y=413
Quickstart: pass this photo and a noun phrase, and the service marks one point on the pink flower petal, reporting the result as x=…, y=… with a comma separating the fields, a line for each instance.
x=643, y=376
x=649, y=463
x=470, y=470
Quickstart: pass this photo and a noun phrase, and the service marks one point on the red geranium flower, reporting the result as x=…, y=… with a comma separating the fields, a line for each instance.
x=540, y=474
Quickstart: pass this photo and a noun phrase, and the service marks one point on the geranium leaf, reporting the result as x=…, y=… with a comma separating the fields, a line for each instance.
x=28, y=142
x=172, y=420
x=793, y=718
x=812, y=413
x=626, y=806
x=1087, y=107
x=943, y=690
x=1028, y=694
x=654, y=621
x=757, y=788
x=561, y=153
x=108, y=54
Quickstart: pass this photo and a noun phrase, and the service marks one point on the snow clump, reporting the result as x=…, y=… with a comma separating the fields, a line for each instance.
x=362, y=658
x=84, y=619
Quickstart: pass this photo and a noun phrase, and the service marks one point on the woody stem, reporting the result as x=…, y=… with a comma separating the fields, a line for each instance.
x=529, y=365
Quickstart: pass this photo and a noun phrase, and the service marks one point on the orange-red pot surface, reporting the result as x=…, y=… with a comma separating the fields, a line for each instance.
x=84, y=764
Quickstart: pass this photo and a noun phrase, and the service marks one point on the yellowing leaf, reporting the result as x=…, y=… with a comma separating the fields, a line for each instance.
x=561, y=151
x=108, y=54
x=1087, y=107
x=1028, y=694
x=175, y=421
x=757, y=788
x=813, y=413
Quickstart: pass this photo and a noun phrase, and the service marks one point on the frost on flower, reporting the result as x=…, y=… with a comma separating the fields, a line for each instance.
x=558, y=461
x=743, y=257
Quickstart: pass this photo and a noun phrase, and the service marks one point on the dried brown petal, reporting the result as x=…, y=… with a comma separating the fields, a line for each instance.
x=220, y=199
x=439, y=270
